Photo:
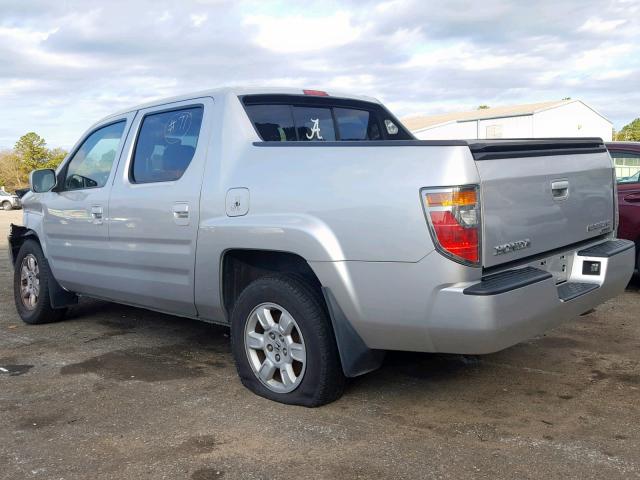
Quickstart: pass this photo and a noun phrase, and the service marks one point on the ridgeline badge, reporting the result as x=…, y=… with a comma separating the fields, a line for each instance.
x=511, y=246
x=604, y=226
x=315, y=130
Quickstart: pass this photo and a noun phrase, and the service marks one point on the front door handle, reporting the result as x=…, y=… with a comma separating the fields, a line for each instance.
x=633, y=198
x=96, y=214
x=180, y=213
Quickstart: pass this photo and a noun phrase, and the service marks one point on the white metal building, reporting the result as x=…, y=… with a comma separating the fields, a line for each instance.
x=562, y=118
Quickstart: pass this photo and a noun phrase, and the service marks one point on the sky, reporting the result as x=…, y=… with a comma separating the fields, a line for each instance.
x=66, y=64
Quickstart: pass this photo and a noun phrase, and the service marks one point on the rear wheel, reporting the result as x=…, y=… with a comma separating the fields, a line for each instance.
x=283, y=343
x=6, y=205
x=31, y=286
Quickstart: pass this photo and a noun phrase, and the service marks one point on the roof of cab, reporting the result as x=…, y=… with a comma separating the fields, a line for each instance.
x=234, y=91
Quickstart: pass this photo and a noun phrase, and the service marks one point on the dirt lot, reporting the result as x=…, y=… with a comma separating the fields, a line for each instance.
x=118, y=392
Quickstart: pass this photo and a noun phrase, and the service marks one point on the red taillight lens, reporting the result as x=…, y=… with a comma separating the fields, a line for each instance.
x=454, y=217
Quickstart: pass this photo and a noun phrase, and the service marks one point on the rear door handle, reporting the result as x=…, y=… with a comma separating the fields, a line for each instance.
x=96, y=214
x=633, y=198
x=181, y=213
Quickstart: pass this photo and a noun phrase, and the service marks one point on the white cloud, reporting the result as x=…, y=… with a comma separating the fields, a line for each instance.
x=198, y=19
x=64, y=65
x=300, y=34
x=595, y=24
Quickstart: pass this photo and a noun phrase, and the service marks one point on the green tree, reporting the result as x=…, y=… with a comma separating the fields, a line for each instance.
x=55, y=156
x=29, y=153
x=483, y=107
x=630, y=132
x=32, y=151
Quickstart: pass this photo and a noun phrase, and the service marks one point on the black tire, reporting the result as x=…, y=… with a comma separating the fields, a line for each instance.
x=42, y=312
x=6, y=205
x=323, y=380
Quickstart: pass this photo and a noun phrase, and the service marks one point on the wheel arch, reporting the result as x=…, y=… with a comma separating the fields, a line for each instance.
x=240, y=267
x=17, y=236
x=58, y=296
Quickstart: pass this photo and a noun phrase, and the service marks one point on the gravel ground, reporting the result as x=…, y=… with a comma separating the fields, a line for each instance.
x=118, y=392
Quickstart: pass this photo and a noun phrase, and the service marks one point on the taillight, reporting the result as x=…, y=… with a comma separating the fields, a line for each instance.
x=453, y=214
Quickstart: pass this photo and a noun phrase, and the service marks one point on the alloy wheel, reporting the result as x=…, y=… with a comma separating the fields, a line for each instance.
x=275, y=347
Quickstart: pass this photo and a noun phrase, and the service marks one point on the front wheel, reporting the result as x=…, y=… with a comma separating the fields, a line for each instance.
x=6, y=205
x=283, y=343
x=31, y=286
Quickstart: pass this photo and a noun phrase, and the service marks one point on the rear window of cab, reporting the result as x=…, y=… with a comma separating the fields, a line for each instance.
x=303, y=119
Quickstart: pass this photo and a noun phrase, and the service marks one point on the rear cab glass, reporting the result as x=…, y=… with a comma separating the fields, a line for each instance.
x=300, y=118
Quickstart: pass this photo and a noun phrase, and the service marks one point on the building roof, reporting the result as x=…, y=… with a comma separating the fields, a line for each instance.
x=417, y=123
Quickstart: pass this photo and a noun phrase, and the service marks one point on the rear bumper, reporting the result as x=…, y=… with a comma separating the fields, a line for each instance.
x=406, y=306
x=488, y=322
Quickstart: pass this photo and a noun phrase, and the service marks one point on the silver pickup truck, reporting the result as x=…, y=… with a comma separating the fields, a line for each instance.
x=321, y=232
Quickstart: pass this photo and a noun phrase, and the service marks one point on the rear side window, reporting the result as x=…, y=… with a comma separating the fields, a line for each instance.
x=166, y=144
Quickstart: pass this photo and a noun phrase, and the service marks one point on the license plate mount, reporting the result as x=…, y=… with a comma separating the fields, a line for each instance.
x=558, y=266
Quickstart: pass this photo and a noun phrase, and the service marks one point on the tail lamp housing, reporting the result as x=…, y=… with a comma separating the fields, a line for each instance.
x=453, y=214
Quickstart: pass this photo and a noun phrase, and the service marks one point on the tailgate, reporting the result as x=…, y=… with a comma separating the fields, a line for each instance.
x=539, y=195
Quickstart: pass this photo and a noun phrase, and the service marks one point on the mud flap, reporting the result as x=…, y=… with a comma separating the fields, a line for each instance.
x=58, y=296
x=356, y=358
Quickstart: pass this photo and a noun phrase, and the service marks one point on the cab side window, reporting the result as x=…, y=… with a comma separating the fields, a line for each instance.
x=91, y=163
x=166, y=145
x=627, y=166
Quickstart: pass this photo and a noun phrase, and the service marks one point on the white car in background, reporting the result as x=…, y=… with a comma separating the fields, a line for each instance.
x=9, y=201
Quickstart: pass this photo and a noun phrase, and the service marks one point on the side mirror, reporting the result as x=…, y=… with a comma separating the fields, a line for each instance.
x=42, y=180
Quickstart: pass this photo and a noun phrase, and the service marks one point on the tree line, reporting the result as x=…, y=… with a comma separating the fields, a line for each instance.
x=29, y=153
x=630, y=132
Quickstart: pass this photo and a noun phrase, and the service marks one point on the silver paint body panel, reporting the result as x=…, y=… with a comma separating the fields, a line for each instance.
x=354, y=214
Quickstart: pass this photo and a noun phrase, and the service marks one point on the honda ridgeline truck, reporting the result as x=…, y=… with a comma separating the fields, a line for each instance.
x=321, y=232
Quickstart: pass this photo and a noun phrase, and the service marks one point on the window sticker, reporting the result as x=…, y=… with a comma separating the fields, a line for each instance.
x=315, y=130
x=177, y=127
x=392, y=128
